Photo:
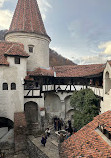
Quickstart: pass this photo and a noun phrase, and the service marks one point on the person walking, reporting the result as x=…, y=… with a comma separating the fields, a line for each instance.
x=44, y=139
x=55, y=123
x=47, y=132
x=59, y=124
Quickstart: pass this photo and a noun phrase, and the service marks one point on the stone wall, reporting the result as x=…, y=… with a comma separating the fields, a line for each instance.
x=34, y=151
x=20, y=131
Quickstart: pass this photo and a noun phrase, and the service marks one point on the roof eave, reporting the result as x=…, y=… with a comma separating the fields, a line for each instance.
x=15, y=31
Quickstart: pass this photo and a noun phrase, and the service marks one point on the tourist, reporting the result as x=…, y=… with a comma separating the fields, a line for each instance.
x=47, y=132
x=66, y=128
x=62, y=122
x=55, y=123
x=70, y=130
x=74, y=130
x=69, y=123
x=59, y=124
x=43, y=141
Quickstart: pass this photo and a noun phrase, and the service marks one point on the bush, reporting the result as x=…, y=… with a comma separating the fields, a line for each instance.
x=86, y=106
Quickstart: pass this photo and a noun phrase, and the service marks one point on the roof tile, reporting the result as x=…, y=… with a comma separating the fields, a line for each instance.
x=70, y=71
x=10, y=49
x=27, y=18
x=87, y=142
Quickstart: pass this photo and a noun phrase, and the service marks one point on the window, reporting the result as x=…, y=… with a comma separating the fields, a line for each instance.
x=13, y=86
x=5, y=86
x=17, y=60
x=31, y=48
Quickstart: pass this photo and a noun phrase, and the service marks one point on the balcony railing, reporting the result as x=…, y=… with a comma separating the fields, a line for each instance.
x=97, y=90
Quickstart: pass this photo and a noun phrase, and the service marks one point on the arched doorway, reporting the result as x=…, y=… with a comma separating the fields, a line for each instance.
x=31, y=112
x=69, y=114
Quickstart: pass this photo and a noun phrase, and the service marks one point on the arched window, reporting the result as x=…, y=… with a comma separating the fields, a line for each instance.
x=5, y=86
x=13, y=86
x=107, y=83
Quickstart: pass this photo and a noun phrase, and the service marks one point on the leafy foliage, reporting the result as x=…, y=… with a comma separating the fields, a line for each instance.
x=86, y=106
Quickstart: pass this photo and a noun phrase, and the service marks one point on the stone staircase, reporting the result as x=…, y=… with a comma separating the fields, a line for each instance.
x=51, y=147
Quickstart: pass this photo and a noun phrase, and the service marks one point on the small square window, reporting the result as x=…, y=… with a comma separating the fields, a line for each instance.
x=17, y=60
x=31, y=49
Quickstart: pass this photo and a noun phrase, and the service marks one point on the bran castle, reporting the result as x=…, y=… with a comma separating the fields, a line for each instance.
x=29, y=85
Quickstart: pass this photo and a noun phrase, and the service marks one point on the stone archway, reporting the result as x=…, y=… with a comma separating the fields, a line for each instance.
x=53, y=104
x=5, y=122
x=69, y=114
x=67, y=103
x=6, y=130
x=31, y=112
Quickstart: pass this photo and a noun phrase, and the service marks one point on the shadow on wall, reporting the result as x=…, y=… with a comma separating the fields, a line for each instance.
x=53, y=104
x=5, y=122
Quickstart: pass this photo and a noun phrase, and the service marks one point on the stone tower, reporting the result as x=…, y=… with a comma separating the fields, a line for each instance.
x=27, y=28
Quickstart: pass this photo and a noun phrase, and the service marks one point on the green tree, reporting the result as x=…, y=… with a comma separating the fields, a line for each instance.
x=86, y=106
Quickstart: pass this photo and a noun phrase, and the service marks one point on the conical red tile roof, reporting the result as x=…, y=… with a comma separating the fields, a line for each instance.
x=27, y=18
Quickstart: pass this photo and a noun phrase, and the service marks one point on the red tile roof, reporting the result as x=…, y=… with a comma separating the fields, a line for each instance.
x=16, y=50
x=87, y=142
x=27, y=18
x=10, y=49
x=79, y=70
x=70, y=71
x=28, y=78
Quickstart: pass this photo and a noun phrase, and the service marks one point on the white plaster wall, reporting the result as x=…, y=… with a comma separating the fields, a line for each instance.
x=106, y=103
x=40, y=56
x=53, y=104
x=12, y=100
x=39, y=101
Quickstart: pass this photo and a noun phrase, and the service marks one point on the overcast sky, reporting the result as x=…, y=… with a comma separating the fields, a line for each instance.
x=80, y=29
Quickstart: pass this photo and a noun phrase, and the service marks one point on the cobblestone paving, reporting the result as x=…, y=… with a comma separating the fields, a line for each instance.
x=51, y=147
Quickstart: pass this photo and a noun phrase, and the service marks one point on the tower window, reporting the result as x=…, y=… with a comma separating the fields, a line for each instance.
x=5, y=86
x=13, y=86
x=17, y=60
x=31, y=47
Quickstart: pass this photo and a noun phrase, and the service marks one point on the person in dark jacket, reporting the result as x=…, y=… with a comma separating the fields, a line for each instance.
x=70, y=130
x=59, y=124
x=55, y=123
x=43, y=141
